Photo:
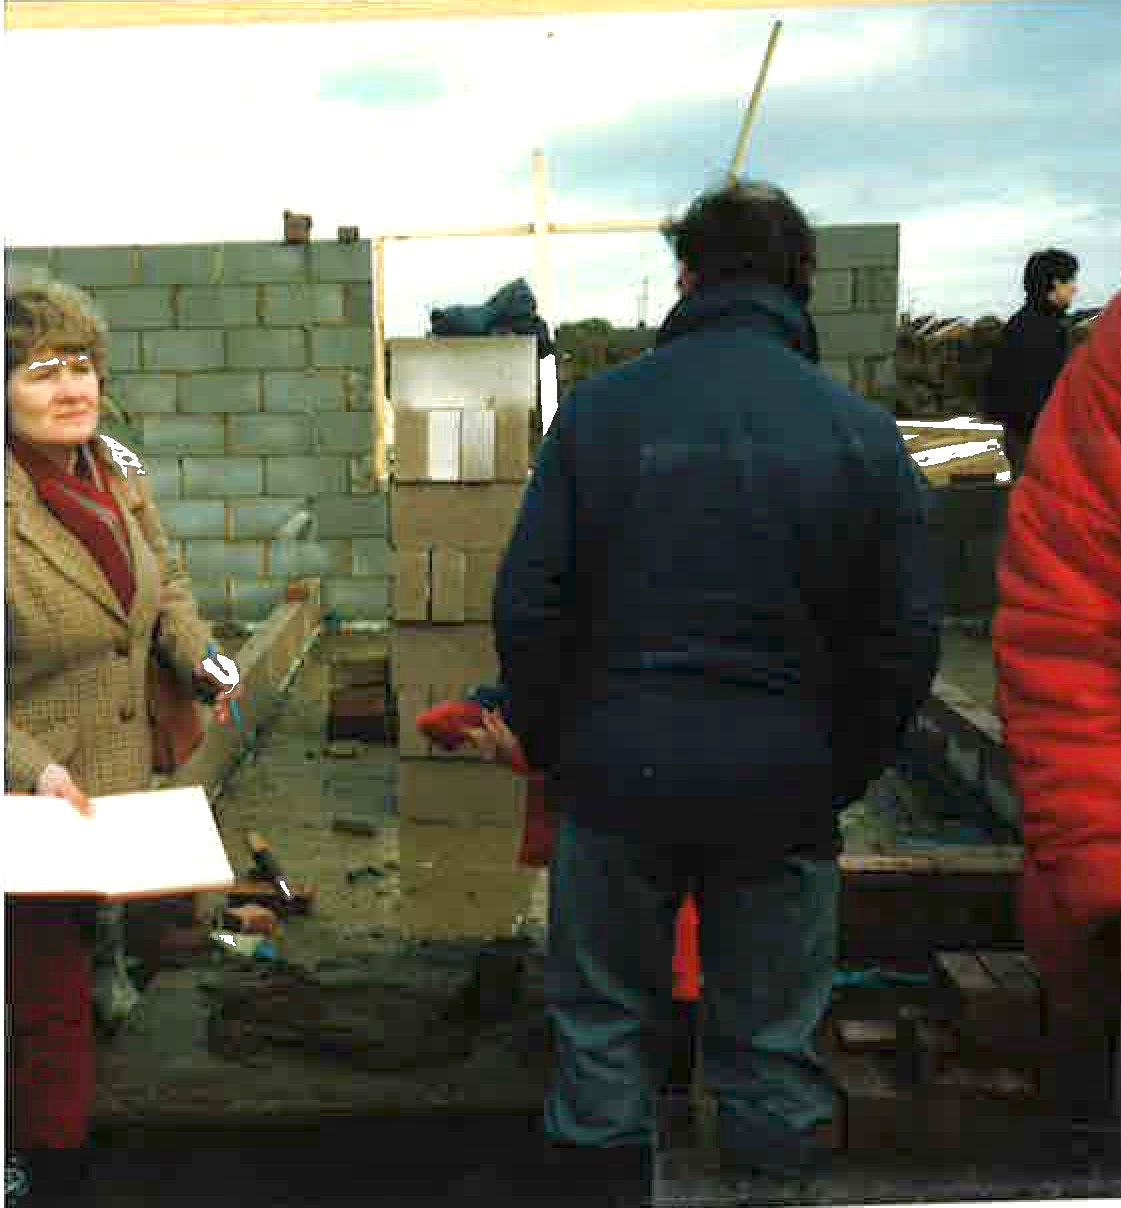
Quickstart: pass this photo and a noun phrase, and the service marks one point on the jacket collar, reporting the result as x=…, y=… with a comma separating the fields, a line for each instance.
x=767, y=308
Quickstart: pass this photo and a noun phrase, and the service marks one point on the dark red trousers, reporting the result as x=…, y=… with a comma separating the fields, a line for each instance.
x=50, y=1060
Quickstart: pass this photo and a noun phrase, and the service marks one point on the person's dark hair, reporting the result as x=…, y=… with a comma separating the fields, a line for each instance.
x=1044, y=269
x=748, y=232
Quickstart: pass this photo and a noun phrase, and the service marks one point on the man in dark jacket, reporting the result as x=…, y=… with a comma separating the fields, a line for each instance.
x=1031, y=352
x=715, y=617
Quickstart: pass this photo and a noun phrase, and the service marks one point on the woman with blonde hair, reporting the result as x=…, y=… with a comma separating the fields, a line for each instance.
x=91, y=594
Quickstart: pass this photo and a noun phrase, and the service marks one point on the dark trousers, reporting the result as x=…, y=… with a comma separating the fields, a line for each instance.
x=1016, y=450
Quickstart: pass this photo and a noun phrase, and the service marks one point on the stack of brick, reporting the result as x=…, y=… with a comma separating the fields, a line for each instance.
x=461, y=461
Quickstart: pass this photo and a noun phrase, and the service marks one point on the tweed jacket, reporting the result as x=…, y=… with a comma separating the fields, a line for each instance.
x=76, y=684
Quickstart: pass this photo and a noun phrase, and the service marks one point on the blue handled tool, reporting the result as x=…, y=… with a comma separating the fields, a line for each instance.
x=235, y=708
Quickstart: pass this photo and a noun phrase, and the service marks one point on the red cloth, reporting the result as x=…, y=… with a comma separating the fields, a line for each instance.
x=1057, y=645
x=50, y=1064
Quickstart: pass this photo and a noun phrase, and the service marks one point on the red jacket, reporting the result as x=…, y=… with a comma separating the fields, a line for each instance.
x=1057, y=644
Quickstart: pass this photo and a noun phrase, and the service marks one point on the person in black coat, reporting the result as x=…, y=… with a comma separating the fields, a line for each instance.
x=1031, y=352
x=716, y=616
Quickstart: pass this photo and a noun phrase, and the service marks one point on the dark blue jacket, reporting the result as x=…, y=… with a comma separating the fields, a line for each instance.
x=718, y=609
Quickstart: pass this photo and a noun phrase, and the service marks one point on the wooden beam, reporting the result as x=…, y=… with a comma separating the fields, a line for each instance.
x=753, y=105
x=105, y=14
x=380, y=467
x=542, y=276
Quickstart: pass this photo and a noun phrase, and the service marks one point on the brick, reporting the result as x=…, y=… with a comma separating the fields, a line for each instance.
x=342, y=347
x=357, y=599
x=844, y=336
x=124, y=351
x=303, y=305
x=184, y=434
x=307, y=391
x=841, y=247
x=351, y=515
x=260, y=518
x=270, y=434
x=221, y=477
x=218, y=306
x=194, y=518
x=341, y=261
x=449, y=574
x=348, y=432
x=253, y=600
x=213, y=559
x=186, y=264
x=463, y=517
x=315, y=558
x=132, y=309
x=306, y=476
x=263, y=263
x=360, y=304
x=220, y=393
x=430, y=654
x=833, y=292
x=372, y=556
x=32, y=260
x=91, y=267
x=461, y=793
x=185, y=351
x=145, y=393
x=164, y=477
x=359, y=391
x=412, y=585
x=260, y=348
x=212, y=599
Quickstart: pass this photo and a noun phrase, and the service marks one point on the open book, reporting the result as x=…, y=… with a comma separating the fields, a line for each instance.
x=135, y=845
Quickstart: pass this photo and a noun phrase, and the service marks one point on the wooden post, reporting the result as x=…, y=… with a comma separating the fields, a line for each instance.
x=753, y=105
x=378, y=415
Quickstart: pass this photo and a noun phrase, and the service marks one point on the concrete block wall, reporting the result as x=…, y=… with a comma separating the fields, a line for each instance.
x=245, y=370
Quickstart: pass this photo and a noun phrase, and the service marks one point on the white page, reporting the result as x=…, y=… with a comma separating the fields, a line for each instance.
x=47, y=846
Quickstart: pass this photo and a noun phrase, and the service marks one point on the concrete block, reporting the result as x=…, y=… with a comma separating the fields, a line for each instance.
x=342, y=347
x=360, y=304
x=303, y=305
x=511, y=456
x=215, y=559
x=124, y=351
x=434, y=654
x=270, y=434
x=221, y=477
x=136, y=308
x=213, y=598
x=480, y=517
x=260, y=348
x=218, y=306
x=164, y=477
x=443, y=849
x=253, y=600
x=193, y=518
x=477, y=446
x=498, y=371
x=867, y=244
x=463, y=793
x=145, y=393
x=359, y=391
x=295, y=559
x=411, y=703
x=833, y=292
x=449, y=583
x=348, y=432
x=372, y=556
x=260, y=518
x=877, y=289
x=860, y=335
x=220, y=393
x=36, y=260
x=186, y=264
x=412, y=585
x=183, y=351
x=306, y=476
x=91, y=267
x=264, y=263
x=308, y=391
x=357, y=599
x=341, y=261
x=183, y=434
x=482, y=571
x=351, y=515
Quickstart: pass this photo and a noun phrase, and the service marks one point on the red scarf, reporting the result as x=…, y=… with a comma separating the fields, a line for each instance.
x=84, y=505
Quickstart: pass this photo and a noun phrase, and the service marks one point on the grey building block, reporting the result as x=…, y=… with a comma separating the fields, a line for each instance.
x=298, y=558
x=305, y=476
x=260, y=518
x=220, y=393
x=260, y=348
x=221, y=477
x=254, y=599
x=182, y=264
x=348, y=432
x=372, y=556
x=190, y=518
x=216, y=559
x=212, y=598
x=164, y=477
x=183, y=434
x=351, y=516
x=360, y=304
x=136, y=308
x=342, y=347
x=861, y=335
x=264, y=263
x=877, y=288
x=27, y=259
x=306, y=391
x=91, y=267
x=184, y=351
x=840, y=247
x=359, y=391
x=144, y=393
x=303, y=305
x=342, y=261
x=357, y=599
x=833, y=292
x=270, y=434
x=218, y=306
x=124, y=351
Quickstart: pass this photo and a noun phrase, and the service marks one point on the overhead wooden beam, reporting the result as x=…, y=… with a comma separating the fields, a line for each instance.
x=103, y=14
x=753, y=106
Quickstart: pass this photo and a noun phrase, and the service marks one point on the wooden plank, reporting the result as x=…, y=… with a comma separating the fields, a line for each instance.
x=477, y=446
x=449, y=586
x=412, y=584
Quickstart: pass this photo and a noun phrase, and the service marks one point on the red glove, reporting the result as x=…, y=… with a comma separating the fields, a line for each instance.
x=447, y=724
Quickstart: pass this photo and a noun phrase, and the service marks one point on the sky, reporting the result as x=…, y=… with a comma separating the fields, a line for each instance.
x=986, y=131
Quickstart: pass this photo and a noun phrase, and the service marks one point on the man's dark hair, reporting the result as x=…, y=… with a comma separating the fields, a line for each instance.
x=746, y=232
x=1044, y=269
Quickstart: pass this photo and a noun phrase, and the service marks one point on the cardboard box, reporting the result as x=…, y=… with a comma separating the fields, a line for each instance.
x=435, y=654
x=449, y=586
x=475, y=517
x=442, y=849
x=464, y=793
x=511, y=454
x=412, y=585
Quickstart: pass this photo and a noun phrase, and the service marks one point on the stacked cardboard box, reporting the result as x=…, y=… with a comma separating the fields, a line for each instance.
x=461, y=459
